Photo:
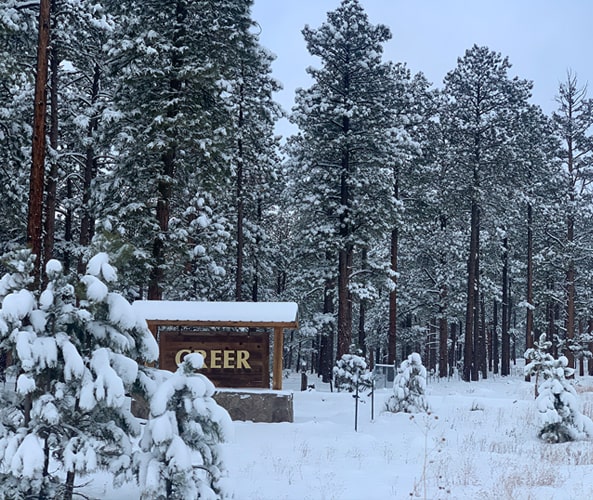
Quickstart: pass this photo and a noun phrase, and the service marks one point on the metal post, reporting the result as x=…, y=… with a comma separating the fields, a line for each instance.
x=356, y=409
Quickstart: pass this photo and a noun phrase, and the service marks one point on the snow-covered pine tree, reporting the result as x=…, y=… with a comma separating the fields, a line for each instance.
x=180, y=457
x=560, y=417
x=573, y=122
x=174, y=67
x=339, y=180
x=539, y=361
x=18, y=29
x=74, y=349
x=351, y=372
x=478, y=120
x=409, y=387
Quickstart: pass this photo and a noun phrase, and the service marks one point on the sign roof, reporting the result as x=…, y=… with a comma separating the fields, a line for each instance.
x=217, y=312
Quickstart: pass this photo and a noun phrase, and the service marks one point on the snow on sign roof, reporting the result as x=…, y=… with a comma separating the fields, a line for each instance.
x=217, y=312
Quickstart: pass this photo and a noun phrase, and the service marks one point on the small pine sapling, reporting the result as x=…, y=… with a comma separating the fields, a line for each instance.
x=409, y=387
x=180, y=456
x=558, y=406
x=351, y=372
x=539, y=361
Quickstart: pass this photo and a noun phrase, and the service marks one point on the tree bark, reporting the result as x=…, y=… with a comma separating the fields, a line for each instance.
x=506, y=342
x=570, y=295
x=452, y=350
x=392, y=329
x=52, y=182
x=495, y=350
x=394, y=248
x=482, y=348
x=240, y=208
x=590, y=360
x=443, y=335
x=344, y=303
x=471, y=312
x=326, y=354
x=345, y=253
x=165, y=182
x=529, y=315
x=87, y=222
x=37, y=176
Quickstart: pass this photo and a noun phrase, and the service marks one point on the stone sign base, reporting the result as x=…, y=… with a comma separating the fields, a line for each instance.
x=256, y=406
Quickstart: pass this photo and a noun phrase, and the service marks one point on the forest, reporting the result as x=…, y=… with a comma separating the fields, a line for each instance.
x=454, y=222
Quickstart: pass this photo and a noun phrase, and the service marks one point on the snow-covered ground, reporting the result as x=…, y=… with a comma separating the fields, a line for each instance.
x=479, y=442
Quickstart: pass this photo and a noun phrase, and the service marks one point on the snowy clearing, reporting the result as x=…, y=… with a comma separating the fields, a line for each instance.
x=479, y=442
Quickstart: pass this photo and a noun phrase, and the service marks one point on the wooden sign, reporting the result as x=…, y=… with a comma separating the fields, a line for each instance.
x=231, y=359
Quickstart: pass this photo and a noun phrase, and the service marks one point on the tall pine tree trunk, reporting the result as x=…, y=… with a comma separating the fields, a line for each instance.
x=470, y=371
x=392, y=329
x=570, y=271
x=256, y=266
x=443, y=334
x=362, y=310
x=344, y=302
x=52, y=181
x=506, y=341
x=326, y=347
x=529, y=315
x=495, y=345
x=240, y=208
x=570, y=293
x=165, y=183
x=37, y=175
x=345, y=254
x=87, y=221
x=394, y=248
x=482, y=347
x=443, y=323
x=590, y=360
x=452, y=350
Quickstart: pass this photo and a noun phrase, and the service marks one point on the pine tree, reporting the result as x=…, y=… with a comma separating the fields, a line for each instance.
x=17, y=37
x=483, y=106
x=409, y=387
x=560, y=417
x=180, y=456
x=351, y=373
x=539, y=361
x=75, y=348
x=255, y=161
x=573, y=122
x=341, y=190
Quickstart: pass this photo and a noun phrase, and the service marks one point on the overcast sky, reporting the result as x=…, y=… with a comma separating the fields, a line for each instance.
x=541, y=38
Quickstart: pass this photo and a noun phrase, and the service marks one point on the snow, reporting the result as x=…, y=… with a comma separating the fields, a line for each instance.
x=121, y=312
x=17, y=305
x=99, y=266
x=96, y=290
x=479, y=442
x=29, y=457
x=248, y=312
x=73, y=363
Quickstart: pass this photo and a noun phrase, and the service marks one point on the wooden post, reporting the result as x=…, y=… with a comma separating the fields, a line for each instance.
x=278, y=351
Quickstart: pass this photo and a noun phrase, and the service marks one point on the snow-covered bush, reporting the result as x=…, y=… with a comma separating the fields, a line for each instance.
x=180, y=455
x=351, y=371
x=74, y=349
x=558, y=405
x=409, y=387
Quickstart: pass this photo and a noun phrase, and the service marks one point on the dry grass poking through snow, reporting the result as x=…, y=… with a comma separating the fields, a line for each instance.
x=498, y=457
x=478, y=443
